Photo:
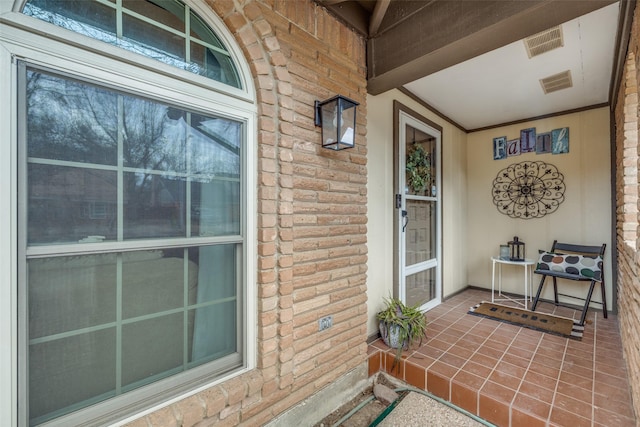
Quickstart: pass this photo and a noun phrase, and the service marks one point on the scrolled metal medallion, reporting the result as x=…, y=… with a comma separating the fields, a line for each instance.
x=528, y=190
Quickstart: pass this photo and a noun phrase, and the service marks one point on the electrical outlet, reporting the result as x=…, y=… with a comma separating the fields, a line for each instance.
x=325, y=323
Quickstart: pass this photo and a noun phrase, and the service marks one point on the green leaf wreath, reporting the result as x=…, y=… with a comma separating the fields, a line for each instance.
x=418, y=168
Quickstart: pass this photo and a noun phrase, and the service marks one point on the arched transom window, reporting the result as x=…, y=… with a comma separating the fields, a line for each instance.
x=166, y=30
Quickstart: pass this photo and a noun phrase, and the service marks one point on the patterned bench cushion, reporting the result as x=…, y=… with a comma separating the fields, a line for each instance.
x=571, y=266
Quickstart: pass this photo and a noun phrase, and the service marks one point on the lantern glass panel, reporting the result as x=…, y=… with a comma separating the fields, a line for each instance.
x=347, y=123
x=329, y=116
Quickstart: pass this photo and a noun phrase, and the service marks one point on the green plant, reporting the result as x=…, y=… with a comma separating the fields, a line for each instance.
x=409, y=322
x=418, y=167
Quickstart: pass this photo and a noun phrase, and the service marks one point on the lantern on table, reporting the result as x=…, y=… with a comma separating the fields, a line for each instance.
x=516, y=249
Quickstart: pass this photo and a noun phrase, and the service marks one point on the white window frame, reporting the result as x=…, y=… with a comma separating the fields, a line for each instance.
x=76, y=55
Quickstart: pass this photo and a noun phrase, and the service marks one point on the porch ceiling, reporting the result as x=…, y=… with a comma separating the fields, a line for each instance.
x=468, y=61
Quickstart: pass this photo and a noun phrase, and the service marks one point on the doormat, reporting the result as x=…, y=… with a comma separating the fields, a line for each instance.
x=529, y=319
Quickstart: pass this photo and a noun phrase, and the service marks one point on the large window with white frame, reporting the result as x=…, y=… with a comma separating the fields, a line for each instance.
x=133, y=209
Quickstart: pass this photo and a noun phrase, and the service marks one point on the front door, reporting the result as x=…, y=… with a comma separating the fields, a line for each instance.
x=418, y=220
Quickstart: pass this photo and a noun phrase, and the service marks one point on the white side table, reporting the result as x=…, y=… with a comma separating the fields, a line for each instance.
x=527, y=264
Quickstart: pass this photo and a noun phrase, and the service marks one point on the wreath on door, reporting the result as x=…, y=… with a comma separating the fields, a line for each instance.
x=418, y=167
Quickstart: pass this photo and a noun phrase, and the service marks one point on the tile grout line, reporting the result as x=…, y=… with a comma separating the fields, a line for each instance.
x=555, y=391
x=525, y=372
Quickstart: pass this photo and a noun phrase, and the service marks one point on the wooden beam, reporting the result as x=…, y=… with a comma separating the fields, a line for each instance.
x=350, y=12
x=379, y=11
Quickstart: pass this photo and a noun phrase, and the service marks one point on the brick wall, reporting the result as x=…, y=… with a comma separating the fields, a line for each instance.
x=312, y=216
x=627, y=208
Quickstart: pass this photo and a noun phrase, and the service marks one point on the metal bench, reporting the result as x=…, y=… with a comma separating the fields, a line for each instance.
x=573, y=262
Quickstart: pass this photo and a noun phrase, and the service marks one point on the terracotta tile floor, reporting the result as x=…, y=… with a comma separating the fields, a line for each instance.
x=513, y=376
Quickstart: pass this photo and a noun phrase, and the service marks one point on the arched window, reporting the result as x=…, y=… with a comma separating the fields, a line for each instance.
x=133, y=192
x=166, y=30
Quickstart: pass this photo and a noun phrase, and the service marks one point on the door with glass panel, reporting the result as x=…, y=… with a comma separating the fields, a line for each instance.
x=418, y=220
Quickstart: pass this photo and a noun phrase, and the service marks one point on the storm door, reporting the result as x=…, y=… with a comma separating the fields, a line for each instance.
x=418, y=213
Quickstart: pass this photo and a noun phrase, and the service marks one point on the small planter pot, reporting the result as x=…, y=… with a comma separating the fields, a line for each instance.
x=391, y=335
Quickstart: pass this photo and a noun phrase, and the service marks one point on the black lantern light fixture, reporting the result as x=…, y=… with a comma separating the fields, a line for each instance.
x=337, y=116
x=516, y=249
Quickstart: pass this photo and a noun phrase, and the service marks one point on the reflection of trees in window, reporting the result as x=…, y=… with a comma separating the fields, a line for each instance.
x=70, y=121
x=156, y=31
x=74, y=121
x=90, y=145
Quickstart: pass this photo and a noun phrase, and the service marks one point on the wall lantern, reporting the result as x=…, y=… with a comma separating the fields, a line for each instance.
x=337, y=116
x=516, y=249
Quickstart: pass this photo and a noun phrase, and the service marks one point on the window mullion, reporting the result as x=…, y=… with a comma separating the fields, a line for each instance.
x=119, y=232
x=118, y=349
x=185, y=305
x=187, y=33
x=120, y=173
x=189, y=171
x=119, y=19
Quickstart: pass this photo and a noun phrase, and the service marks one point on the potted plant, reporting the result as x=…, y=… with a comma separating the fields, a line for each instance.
x=400, y=325
x=418, y=167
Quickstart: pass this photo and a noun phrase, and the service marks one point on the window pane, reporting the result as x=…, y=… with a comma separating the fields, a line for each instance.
x=85, y=17
x=201, y=31
x=217, y=296
x=420, y=163
x=154, y=206
x=166, y=12
x=421, y=287
x=71, y=205
x=70, y=373
x=152, y=349
x=216, y=208
x=70, y=293
x=420, y=237
x=70, y=120
x=208, y=343
x=213, y=64
x=154, y=42
x=154, y=281
x=217, y=278
x=215, y=146
x=154, y=136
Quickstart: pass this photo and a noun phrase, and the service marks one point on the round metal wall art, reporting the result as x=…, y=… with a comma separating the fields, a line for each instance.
x=528, y=190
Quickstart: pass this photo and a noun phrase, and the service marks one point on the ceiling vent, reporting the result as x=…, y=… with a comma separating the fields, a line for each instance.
x=557, y=82
x=544, y=41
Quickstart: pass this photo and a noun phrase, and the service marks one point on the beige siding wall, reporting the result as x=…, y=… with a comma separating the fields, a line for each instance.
x=627, y=208
x=312, y=214
x=381, y=193
x=584, y=217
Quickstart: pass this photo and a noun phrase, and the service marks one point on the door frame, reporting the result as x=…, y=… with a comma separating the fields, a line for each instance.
x=398, y=110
